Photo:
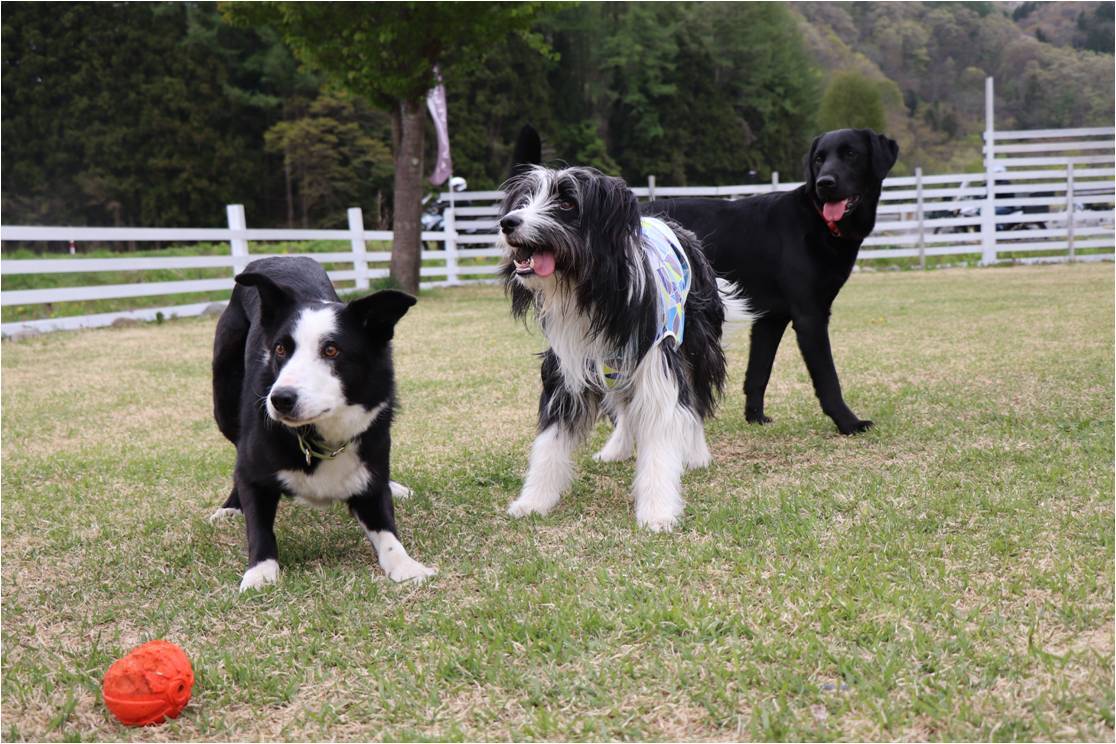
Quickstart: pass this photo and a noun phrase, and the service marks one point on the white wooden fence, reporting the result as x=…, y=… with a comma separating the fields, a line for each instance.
x=1052, y=199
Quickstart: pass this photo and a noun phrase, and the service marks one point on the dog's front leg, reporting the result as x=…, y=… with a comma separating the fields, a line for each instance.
x=665, y=437
x=550, y=470
x=812, y=333
x=564, y=421
x=259, y=505
x=375, y=513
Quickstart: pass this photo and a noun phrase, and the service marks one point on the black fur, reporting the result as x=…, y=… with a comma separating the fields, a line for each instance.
x=779, y=251
x=528, y=150
x=264, y=306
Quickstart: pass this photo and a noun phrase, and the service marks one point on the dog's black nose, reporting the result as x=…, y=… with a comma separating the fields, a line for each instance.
x=284, y=400
x=826, y=183
x=509, y=223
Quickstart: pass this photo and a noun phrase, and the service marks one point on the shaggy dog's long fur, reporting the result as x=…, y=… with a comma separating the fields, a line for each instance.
x=575, y=256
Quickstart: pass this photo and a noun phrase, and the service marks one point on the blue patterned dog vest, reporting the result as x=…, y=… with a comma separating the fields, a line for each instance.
x=671, y=269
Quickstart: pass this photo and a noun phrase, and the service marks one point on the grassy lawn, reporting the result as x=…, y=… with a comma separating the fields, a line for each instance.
x=949, y=575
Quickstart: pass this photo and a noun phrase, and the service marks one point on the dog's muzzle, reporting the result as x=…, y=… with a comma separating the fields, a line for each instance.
x=838, y=209
x=527, y=261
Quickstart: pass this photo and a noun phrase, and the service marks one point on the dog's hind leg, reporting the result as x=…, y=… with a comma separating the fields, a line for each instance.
x=228, y=366
x=231, y=508
x=697, y=454
x=399, y=491
x=619, y=446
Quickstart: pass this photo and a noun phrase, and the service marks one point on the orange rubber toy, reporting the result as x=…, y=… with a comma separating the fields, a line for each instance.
x=149, y=685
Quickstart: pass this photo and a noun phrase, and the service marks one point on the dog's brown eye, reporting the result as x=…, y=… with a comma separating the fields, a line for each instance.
x=566, y=205
x=330, y=351
x=280, y=350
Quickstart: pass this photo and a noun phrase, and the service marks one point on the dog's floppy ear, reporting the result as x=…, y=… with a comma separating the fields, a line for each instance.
x=808, y=166
x=885, y=151
x=610, y=207
x=275, y=301
x=528, y=150
x=378, y=313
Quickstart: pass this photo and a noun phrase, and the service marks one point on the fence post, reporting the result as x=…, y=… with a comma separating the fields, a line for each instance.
x=238, y=247
x=1070, y=211
x=988, y=209
x=360, y=251
x=650, y=188
x=919, y=212
x=774, y=180
x=449, y=226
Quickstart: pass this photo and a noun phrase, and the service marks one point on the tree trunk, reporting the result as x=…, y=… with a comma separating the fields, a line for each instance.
x=290, y=195
x=408, y=132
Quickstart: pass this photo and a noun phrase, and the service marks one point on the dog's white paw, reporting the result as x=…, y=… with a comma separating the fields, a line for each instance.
x=658, y=520
x=610, y=453
x=223, y=514
x=525, y=505
x=260, y=575
x=406, y=568
x=699, y=459
x=399, y=491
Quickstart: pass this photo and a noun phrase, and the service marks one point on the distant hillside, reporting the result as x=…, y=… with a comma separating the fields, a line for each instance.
x=1079, y=25
x=930, y=60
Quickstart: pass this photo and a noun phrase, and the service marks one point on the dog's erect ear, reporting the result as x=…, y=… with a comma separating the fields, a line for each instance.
x=528, y=150
x=275, y=301
x=885, y=151
x=378, y=313
x=808, y=166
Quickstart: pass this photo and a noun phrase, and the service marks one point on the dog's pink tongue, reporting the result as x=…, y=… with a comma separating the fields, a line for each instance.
x=833, y=211
x=543, y=263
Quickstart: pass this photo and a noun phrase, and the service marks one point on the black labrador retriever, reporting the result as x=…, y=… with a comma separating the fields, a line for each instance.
x=791, y=252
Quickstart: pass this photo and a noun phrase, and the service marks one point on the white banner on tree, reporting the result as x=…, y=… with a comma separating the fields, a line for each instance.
x=436, y=103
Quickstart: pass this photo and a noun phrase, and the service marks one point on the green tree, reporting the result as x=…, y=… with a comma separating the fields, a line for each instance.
x=851, y=100
x=387, y=54
x=332, y=156
x=761, y=68
x=132, y=114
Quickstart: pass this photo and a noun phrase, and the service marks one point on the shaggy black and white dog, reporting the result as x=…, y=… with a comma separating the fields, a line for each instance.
x=633, y=315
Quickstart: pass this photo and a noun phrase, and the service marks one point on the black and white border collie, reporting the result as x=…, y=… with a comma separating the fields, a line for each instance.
x=303, y=385
x=633, y=316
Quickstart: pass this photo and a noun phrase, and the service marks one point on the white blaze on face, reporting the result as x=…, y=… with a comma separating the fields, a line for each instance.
x=535, y=208
x=306, y=372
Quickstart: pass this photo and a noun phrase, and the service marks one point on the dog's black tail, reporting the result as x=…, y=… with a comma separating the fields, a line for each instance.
x=528, y=150
x=228, y=366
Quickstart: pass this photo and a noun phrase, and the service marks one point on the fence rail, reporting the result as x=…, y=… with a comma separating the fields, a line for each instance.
x=1052, y=200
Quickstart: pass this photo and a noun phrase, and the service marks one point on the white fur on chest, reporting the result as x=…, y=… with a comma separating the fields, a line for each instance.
x=581, y=355
x=338, y=479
